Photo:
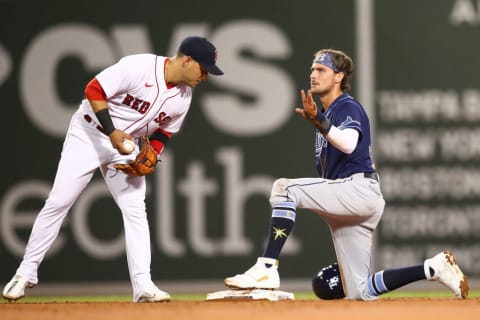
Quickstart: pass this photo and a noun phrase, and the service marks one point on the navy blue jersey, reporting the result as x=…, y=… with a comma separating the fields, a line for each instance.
x=331, y=163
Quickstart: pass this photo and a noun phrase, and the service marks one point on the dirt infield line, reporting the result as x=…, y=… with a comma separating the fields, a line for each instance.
x=391, y=309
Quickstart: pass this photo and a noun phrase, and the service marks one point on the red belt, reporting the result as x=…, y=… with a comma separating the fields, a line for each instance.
x=90, y=120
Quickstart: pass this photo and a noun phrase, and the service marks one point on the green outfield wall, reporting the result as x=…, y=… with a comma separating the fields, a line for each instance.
x=417, y=76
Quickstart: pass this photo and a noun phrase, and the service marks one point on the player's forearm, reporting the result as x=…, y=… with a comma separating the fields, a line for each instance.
x=100, y=108
x=345, y=140
x=319, y=121
x=98, y=101
x=98, y=105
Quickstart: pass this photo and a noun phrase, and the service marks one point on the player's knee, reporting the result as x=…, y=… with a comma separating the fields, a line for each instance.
x=279, y=191
x=327, y=284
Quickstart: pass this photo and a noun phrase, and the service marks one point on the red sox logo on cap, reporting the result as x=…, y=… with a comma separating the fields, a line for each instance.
x=202, y=51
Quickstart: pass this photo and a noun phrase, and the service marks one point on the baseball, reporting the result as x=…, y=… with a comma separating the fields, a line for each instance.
x=129, y=145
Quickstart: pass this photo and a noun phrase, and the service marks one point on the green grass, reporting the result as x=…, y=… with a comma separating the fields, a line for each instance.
x=201, y=297
x=427, y=294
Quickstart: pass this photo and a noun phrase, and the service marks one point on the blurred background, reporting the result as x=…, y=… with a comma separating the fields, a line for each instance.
x=416, y=74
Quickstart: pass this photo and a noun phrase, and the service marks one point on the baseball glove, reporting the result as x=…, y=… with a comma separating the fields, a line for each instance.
x=144, y=163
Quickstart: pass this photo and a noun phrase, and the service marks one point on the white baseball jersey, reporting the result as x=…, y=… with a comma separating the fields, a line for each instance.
x=140, y=102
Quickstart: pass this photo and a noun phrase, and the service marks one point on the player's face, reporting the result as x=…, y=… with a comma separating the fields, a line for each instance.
x=194, y=73
x=322, y=79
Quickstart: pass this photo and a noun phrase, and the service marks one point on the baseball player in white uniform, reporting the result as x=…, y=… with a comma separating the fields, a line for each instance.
x=140, y=95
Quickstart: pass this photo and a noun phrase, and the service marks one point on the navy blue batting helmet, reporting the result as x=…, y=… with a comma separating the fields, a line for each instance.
x=327, y=284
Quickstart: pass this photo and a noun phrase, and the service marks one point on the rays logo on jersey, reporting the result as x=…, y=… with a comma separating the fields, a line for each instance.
x=320, y=143
x=349, y=123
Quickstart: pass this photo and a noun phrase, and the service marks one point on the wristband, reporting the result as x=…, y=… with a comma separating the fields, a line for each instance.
x=105, y=120
x=322, y=123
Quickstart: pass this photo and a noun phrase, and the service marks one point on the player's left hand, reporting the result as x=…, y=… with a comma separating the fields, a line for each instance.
x=144, y=163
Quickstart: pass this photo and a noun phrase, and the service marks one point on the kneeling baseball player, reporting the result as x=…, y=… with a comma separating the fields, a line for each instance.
x=347, y=196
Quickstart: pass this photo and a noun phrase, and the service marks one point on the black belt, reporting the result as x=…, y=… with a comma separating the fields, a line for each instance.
x=372, y=175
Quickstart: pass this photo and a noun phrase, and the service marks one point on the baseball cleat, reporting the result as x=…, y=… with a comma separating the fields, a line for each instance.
x=15, y=289
x=257, y=277
x=156, y=295
x=447, y=272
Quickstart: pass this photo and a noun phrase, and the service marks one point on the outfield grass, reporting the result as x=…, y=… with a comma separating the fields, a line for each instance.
x=200, y=297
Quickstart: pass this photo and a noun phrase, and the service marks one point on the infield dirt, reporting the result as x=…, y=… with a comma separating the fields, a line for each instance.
x=391, y=309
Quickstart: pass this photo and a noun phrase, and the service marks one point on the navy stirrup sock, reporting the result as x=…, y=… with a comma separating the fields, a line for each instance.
x=388, y=280
x=283, y=220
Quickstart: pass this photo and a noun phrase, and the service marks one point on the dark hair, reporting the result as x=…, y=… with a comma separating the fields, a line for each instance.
x=343, y=63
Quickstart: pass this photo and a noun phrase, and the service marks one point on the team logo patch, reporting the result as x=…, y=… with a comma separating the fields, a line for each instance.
x=349, y=123
x=333, y=282
x=320, y=143
x=279, y=233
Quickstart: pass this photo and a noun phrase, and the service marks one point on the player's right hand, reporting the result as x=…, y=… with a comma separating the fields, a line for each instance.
x=116, y=138
x=309, y=110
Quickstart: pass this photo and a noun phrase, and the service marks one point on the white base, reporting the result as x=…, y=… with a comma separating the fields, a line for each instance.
x=250, y=294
